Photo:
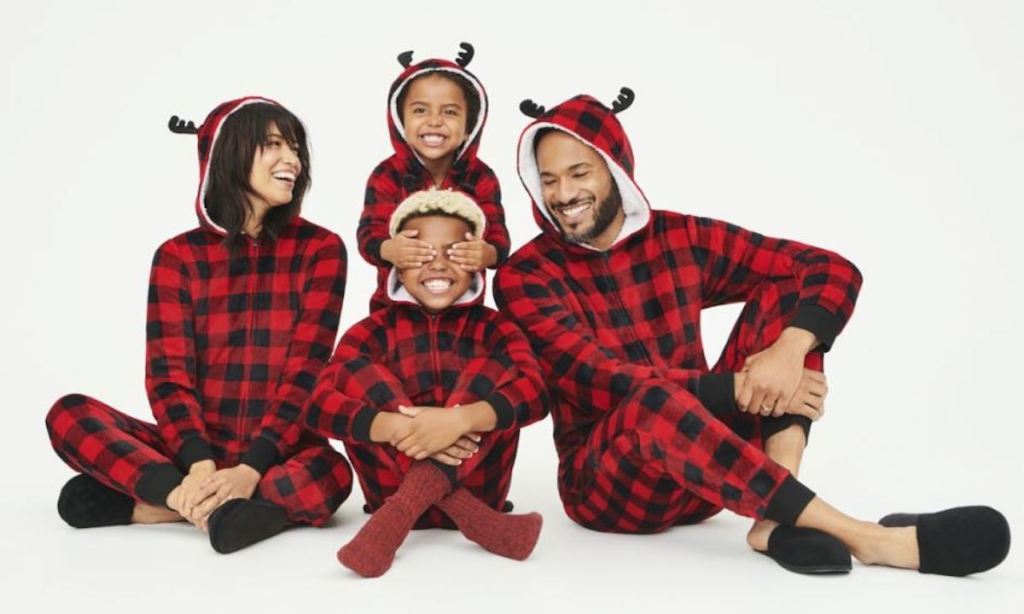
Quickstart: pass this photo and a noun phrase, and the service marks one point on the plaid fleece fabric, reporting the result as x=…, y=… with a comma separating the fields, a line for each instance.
x=233, y=347
x=646, y=433
x=132, y=457
x=403, y=355
x=403, y=174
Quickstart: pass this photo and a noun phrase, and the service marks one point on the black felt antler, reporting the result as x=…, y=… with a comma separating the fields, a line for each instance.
x=466, y=55
x=626, y=98
x=531, y=109
x=180, y=126
x=405, y=58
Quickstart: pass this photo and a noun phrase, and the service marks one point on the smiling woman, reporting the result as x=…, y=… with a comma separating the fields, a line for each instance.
x=242, y=314
x=259, y=173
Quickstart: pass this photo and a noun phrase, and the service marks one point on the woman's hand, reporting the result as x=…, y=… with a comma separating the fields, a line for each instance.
x=238, y=482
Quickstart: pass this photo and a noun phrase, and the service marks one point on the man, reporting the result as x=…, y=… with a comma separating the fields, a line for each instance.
x=648, y=437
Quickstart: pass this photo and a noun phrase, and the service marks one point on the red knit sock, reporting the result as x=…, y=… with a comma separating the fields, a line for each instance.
x=372, y=550
x=511, y=535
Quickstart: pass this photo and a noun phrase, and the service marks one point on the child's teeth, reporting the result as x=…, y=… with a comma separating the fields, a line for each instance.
x=438, y=285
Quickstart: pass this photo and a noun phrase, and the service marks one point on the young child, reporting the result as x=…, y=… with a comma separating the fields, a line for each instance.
x=436, y=114
x=243, y=311
x=428, y=396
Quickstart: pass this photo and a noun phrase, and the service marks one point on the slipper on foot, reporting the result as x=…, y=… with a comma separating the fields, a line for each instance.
x=958, y=541
x=85, y=503
x=807, y=551
x=242, y=522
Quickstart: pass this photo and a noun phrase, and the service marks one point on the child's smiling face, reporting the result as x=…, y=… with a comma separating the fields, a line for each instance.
x=434, y=117
x=440, y=282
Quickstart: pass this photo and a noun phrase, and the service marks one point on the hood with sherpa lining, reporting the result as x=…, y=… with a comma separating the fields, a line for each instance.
x=449, y=202
x=595, y=125
x=207, y=141
x=403, y=173
x=467, y=152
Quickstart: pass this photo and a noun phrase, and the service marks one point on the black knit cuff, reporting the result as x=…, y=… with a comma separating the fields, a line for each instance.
x=373, y=249
x=192, y=451
x=503, y=410
x=362, y=423
x=261, y=455
x=717, y=392
x=157, y=481
x=770, y=426
x=789, y=501
x=502, y=256
x=824, y=324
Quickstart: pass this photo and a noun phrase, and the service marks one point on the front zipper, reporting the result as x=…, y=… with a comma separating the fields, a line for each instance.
x=243, y=401
x=630, y=334
x=435, y=357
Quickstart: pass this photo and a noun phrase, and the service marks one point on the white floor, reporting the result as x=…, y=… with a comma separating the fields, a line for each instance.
x=171, y=568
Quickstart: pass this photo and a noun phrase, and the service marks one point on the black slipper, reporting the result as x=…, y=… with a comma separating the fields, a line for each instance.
x=808, y=551
x=243, y=522
x=85, y=503
x=958, y=541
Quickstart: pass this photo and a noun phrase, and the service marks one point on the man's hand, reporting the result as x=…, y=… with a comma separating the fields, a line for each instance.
x=473, y=254
x=773, y=375
x=809, y=399
x=238, y=482
x=405, y=251
x=431, y=430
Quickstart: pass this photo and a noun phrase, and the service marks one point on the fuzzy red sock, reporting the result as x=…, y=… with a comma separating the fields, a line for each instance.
x=372, y=550
x=510, y=535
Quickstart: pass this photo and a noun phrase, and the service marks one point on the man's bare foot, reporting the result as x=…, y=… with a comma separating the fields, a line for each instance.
x=878, y=545
x=757, y=537
x=145, y=513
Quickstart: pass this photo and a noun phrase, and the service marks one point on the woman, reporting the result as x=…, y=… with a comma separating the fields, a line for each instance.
x=242, y=316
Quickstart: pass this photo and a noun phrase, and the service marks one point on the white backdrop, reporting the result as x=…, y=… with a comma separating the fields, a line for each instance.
x=891, y=132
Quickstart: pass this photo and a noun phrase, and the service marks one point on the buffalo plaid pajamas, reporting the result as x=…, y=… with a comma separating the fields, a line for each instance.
x=130, y=456
x=405, y=356
x=647, y=435
x=233, y=347
x=403, y=174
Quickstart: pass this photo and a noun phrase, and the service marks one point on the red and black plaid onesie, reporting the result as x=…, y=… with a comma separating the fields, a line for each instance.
x=402, y=174
x=403, y=355
x=647, y=436
x=233, y=347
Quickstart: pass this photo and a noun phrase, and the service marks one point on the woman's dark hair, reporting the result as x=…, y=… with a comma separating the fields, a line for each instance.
x=468, y=91
x=228, y=189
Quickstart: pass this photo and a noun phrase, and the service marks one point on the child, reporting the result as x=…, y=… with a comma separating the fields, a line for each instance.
x=242, y=314
x=415, y=390
x=436, y=114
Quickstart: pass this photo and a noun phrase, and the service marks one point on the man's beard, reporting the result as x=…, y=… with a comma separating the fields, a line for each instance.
x=604, y=215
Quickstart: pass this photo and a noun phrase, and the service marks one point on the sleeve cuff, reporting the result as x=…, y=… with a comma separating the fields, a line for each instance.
x=502, y=256
x=373, y=250
x=157, y=482
x=194, y=450
x=824, y=324
x=361, y=424
x=261, y=455
x=717, y=392
x=503, y=409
